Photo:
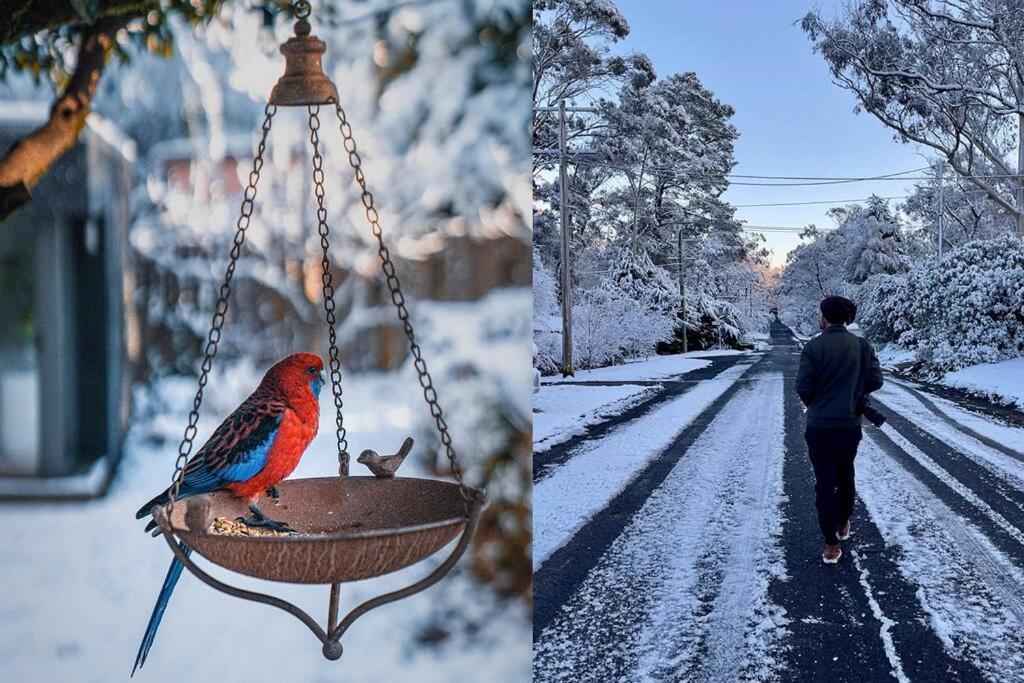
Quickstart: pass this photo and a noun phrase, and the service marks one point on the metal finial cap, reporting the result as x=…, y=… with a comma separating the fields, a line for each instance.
x=304, y=81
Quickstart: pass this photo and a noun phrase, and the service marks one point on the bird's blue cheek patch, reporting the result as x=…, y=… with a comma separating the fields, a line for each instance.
x=315, y=386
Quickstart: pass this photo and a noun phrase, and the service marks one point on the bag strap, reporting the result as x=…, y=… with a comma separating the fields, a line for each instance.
x=864, y=361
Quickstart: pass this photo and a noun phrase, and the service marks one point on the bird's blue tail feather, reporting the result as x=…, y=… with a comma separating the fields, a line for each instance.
x=173, y=574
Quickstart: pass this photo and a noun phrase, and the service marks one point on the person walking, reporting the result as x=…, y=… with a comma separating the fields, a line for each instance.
x=837, y=372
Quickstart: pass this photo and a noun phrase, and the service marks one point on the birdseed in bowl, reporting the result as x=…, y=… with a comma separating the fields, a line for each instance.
x=223, y=526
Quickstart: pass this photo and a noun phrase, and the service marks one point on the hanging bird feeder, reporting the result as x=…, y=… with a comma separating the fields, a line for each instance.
x=348, y=528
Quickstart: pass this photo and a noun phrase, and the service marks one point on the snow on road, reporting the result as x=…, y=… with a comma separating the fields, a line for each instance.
x=970, y=590
x=997, y=462
x=562, y=411
x=986, y=425
x=695, y=562
x=565, y=499
x=689, y=582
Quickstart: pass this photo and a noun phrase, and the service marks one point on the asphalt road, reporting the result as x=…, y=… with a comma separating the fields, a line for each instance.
x=706, y=565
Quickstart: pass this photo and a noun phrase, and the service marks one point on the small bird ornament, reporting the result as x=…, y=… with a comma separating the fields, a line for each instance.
x=254, y=448
x=385, y=466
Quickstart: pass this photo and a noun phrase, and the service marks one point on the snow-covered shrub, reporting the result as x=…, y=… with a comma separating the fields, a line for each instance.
x=964, y=310
x=608, y=326
x=970, y=308
x=546, y=325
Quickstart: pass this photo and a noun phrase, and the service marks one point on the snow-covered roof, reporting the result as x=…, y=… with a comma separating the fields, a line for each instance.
x=107, y=130
x=24, y=111
x=32, y=113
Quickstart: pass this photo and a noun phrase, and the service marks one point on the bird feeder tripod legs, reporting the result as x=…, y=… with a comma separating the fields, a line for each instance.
x=476, y=507
x=331, y=641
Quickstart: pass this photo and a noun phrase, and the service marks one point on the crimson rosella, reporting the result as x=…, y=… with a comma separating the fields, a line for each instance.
x=253, y=450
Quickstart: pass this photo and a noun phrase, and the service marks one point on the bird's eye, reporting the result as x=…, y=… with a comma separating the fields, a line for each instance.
x=311, y=369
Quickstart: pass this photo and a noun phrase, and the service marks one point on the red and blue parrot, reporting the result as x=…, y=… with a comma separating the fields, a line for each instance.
x=254, y=449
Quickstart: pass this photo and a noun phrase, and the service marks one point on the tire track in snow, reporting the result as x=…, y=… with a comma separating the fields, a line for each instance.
x=996, y=458
x=567, y=500
x=544, y=462
x=987, y=423
x=1005, y=535
x=970, y=590
x=990, y=476
x=681, y=593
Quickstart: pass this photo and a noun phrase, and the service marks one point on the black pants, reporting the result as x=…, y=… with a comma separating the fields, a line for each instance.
x=832, y=450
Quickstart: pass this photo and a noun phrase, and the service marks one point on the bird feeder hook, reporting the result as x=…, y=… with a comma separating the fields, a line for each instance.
x=304, y=82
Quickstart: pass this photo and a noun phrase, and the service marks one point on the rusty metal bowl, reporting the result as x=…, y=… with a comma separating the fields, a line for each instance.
x=350, y=528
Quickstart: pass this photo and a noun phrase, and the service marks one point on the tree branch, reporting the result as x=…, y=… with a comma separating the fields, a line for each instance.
x=24, y=18
x=28, y=159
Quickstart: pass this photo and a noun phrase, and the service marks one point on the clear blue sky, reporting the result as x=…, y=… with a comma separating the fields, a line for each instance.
x=793, y=121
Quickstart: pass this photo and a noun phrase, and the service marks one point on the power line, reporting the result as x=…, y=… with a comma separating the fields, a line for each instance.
x=670, y=172
x=781, y=228
x=851, y=178
x=826, y=201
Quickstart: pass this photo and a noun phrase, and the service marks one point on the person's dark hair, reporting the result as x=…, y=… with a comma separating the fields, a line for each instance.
x=838, y=310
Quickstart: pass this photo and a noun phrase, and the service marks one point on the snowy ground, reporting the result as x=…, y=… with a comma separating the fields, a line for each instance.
x=657, y=367
x=683, y=544
x=585, y=484
x=565, y=406
x=891, y=355
x=79, y=579
x=562, y=411
x=1003, y=381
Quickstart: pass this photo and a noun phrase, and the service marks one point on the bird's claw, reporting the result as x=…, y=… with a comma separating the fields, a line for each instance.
x=266, y=523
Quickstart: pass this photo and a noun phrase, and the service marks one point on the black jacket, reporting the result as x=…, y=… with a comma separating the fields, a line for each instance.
x=829, y=379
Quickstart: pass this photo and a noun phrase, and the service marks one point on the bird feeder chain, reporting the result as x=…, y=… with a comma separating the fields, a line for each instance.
x=395, y=287
x=220, y=312
x=328, y=287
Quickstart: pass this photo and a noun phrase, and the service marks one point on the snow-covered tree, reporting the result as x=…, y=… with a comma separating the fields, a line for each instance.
x=572, y=61
x=635, y=276
x=873, y=241
x=868, y=240
x=609, y=326
x=546, y=324
x=945, y=75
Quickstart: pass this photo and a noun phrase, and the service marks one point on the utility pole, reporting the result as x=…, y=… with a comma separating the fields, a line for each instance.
x=942, y=205
x=564, y=220
x=682, y=286
x=563, y=184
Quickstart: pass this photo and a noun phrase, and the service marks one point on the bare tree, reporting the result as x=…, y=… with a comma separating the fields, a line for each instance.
x=942, y=73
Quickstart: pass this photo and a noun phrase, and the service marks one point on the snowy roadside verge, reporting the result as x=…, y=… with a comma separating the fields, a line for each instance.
x=575, y=491
x=1001, y=382
x=658, y=367
x=561, y=412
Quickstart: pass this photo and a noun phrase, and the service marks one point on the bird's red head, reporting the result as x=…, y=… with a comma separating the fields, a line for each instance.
x=297, y=375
